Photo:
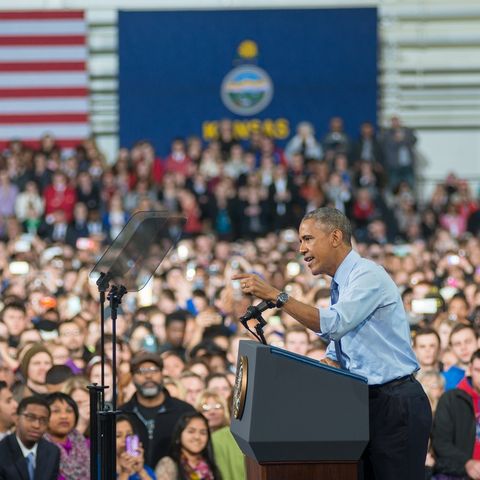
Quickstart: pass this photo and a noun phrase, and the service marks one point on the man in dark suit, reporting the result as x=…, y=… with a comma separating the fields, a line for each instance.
x=25, y=455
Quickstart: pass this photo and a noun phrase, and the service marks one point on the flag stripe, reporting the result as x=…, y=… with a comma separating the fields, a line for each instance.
x=43, y=105
x=42, y=92
x=45, y=118
x=34, y=53
x=36, y=40
x=42, y=80
x=43, y=76
x=35, y=142
x=60, y=130
x=42, y=27
x=41, y=14
x=42, y=67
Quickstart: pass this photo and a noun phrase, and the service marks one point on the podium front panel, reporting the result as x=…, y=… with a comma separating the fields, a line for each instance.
x=297, y=409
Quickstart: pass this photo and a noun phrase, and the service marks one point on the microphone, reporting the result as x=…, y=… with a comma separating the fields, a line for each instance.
x=254, y=311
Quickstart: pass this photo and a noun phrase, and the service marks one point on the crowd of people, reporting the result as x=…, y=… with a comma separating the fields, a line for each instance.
x=177, y=339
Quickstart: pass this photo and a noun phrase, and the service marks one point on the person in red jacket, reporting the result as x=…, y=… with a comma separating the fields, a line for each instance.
x=60, y=196
x=456, y=429
x=178, y=161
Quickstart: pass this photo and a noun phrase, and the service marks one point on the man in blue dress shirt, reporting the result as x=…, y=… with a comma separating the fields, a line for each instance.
x=368, y=334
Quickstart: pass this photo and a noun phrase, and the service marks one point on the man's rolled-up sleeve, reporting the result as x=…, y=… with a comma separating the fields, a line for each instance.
x=328, y=319
x=330, y=352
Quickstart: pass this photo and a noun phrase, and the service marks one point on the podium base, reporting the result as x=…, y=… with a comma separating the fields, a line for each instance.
x=304, y=471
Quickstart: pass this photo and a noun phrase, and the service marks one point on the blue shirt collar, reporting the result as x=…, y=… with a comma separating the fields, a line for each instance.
x=344, y=269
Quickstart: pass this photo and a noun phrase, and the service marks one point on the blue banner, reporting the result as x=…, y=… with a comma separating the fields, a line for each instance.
x=181, y=72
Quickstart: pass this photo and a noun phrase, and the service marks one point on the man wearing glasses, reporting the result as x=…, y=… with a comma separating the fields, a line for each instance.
x=153, y=411
x=25, y=455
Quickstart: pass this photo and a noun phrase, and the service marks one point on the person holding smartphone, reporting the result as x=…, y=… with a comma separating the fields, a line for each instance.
x=130, y=454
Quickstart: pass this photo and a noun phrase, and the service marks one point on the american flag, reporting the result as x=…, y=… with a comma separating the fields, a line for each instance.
x=43, y=77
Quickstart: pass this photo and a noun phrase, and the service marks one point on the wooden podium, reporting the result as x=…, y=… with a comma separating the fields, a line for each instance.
x=303, y=471
x=295, y=418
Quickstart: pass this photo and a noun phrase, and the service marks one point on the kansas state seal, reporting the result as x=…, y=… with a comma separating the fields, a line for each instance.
x=247, y=89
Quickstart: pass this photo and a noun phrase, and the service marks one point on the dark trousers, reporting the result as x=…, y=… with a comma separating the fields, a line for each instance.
x=400, y=423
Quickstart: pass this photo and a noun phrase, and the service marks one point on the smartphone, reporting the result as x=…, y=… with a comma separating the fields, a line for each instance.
x=191, y=271
x=453, y=259
x=237, y=290
x=131, y=445
x=74, y=306
x=22, y=246
x=84, y=243
x=402, y=250
x=145, y=295
x=293, y=269
x=424, y=306
x=19, y=268
x=150, y=344
x=183, y=252
x=51, y=252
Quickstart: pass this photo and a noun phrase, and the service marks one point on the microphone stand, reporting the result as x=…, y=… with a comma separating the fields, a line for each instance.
x=254, y=312
x=102, y=417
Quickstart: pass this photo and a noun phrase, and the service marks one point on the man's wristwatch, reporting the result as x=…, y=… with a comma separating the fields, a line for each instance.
x=282, y=299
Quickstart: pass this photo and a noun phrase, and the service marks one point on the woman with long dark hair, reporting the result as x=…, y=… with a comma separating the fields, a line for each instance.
x=191, y=453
